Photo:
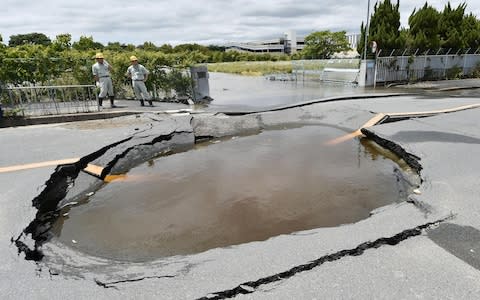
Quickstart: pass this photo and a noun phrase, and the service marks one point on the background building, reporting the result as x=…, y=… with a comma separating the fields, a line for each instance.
x=288, y=44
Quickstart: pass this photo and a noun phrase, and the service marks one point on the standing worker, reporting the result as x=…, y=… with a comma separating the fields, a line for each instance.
x=139, y=74
x=101, y=73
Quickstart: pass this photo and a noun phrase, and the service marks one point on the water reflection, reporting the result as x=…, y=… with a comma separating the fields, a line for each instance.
x=231, y=192
x=231, y=91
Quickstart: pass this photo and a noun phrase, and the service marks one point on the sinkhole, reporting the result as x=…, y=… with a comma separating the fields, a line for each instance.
x=235, y=190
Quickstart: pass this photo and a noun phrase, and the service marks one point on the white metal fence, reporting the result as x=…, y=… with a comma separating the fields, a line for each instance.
x=327, y=70
x=431, y=65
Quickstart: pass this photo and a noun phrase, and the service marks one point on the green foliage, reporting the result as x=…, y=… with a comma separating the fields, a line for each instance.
x=451, y=27
x=455, y=72
x=29, y=38
x=384, y=29
x=385, y=26
x=476, y=71
x=361, y=42
x=166, y=48
x=216, y=48
x=13, y=112
x=428, y=28
x=148, y=46
x=323, y=44
x=471, y=33
x=87, y=43
x=190, y=48
x=62, y=42
x=28, y=63
x=252, y=67
x=424, y=28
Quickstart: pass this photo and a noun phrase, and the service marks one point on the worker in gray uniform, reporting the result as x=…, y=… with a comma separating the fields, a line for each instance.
x=101, y=73
x=139, y=74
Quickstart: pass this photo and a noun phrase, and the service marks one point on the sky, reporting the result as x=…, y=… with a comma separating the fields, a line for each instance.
x=193, y=21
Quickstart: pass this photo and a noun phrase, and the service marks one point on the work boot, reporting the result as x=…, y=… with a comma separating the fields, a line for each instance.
x=142, y=103
x=111, y=102
x=100, y=101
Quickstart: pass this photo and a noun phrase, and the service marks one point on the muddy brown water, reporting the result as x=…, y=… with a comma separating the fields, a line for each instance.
x=233, y=191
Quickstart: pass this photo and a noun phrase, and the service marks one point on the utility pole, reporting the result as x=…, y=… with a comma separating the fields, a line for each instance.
x=367, y=28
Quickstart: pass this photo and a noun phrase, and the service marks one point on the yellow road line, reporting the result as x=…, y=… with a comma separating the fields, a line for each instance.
x=377, y=118
x=38, y=165
x=92, y=169
x=380, y=116
x=433, y=112
x=97, y=170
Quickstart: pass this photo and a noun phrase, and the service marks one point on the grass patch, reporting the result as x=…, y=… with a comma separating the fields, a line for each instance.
x=252, y=68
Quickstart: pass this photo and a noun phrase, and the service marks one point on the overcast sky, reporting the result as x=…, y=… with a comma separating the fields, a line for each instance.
x=186, y=21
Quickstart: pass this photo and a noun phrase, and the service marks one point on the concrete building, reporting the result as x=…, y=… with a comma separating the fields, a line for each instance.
x=353, y=39
x=290, y=43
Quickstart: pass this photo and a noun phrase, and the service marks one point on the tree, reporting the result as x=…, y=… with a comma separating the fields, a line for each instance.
x=148, y=46
x=385, y=26
x=166, y=48
x=424, y=28
x=361, y=43
x=216, y=48
x=87, y=43
x=33, y=38
x=116, y=46
x=322, y=44
x=62, y=42
x=451, y=27
x=471, y=34
x=190, y=47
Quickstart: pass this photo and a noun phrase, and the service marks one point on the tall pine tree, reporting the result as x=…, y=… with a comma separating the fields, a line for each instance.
x=384, y=27
x=424, y=28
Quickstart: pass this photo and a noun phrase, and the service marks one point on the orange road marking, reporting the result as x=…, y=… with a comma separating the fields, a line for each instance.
x=110, y=178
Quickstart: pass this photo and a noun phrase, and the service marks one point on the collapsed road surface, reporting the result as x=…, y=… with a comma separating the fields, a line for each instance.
x=426, y=247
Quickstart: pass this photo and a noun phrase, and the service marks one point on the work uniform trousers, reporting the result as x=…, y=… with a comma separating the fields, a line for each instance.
x=106, y=87
x=140, y=90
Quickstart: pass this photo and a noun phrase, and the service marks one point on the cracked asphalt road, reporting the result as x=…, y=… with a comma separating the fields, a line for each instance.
x=428, y=247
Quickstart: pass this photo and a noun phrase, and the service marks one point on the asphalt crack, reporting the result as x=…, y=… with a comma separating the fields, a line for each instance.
x=251, y=286
x=158, y=139
x=112, y=284
x=56, y=188
x=411, y=159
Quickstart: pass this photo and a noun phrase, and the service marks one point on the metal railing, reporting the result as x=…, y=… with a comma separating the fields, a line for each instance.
x=48, y=100
x=337, y=69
